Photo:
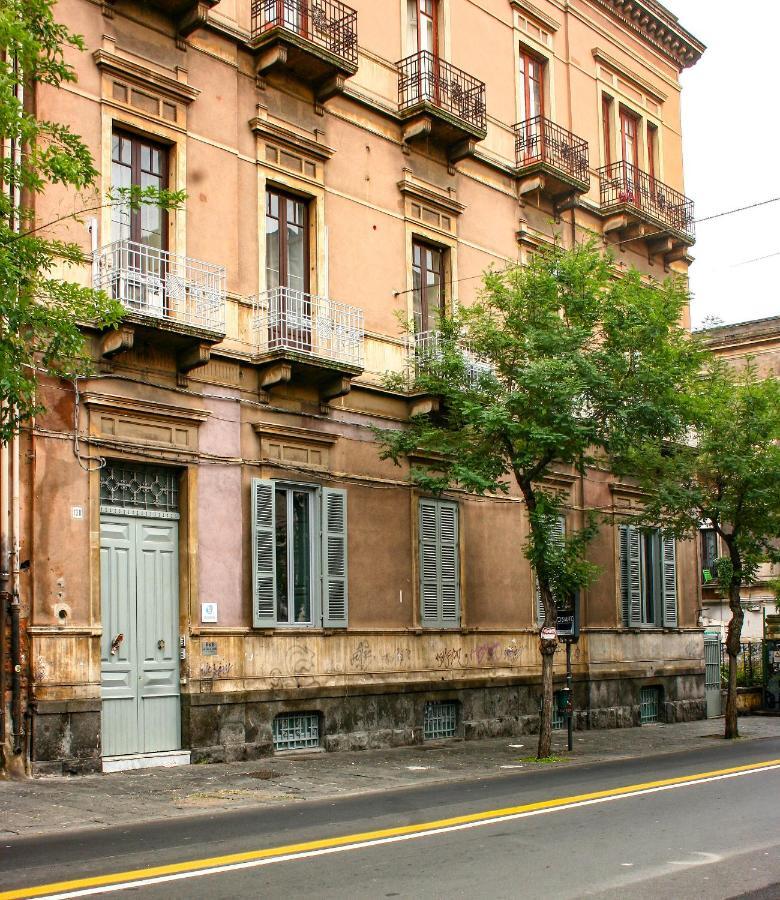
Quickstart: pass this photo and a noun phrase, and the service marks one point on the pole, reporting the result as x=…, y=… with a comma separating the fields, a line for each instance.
x=570, y=713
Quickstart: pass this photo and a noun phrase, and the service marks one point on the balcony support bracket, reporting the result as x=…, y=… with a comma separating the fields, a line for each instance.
x=118, y=341
x=276, y=373
x=678, y=254
x=417, y=129
x=530, y=184
x=196, y=17
x=270, y=58
x=566, y=203
x=193, y=357
x=329, y=88
x=660, y=247
x=425, y=405
x=336, y=387
x=616, y=223
x=461, y=150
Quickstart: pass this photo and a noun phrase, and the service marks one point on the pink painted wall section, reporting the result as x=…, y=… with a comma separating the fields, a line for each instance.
x=220, y=558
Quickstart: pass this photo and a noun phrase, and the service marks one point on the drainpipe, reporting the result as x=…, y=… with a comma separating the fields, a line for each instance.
x=5, y=578
x=16, y=647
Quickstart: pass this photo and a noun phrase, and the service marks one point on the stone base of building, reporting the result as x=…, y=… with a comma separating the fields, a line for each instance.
x=228, y=727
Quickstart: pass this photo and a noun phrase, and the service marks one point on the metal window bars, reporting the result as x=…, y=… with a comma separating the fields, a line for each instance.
x=649, y=705
x=622, y=184
x=440, y=720
x=326, y=23
x=161, y=285
x=425, y=348
x=287, y=319
x=424, y=78
x=139, y=488
x=296, y=731
x=538, y=140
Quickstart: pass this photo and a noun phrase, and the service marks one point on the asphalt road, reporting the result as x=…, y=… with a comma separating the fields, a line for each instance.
x=717, y=837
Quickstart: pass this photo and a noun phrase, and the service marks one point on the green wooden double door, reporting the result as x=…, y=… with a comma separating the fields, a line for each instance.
x=141, y=710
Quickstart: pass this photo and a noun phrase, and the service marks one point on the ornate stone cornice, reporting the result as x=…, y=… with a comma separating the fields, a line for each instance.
x=116, y=65
x=658, y=26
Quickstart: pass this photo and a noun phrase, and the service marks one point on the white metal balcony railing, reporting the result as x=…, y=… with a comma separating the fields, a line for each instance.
x=425, y=345
x=162, y=285
x=288, y=319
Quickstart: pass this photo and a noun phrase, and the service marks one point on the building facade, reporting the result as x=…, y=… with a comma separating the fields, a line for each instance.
x=758, y=342
x=221, y=566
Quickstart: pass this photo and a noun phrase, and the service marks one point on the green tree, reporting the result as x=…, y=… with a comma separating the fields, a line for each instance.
x=40, y=310
x=566, y=362
x=731, y=480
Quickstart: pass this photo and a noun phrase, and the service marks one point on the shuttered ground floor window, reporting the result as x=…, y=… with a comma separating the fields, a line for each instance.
x=648, y=578
x=439, y=563
x=299, y=555
x=440, y=720
x=649, y=705
x=296, y=731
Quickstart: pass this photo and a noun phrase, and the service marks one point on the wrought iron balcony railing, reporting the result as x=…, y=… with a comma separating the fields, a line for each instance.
x=316, y=327
x=327, y=23
x=425, y=348
x=622, y=184
x=424, y=78
x=538, y=140
x=161, y=285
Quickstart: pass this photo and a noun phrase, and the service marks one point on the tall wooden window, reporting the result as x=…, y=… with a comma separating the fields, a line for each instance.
x=628, y=137
x=652, y=153
x=648, y=577
x=138, y=162
x=428, y=285
x=422, y=17
x=606, y=126
x=286, y=242
x=531, y=86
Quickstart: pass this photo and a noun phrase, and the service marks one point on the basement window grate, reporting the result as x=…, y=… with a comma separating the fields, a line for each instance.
x=649, y=704
x=441, y=720
x=296, y=731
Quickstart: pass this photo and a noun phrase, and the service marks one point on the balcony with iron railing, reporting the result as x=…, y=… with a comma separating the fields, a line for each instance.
x=425, y=348
x=180, y=298
x=550, y=159
x=307, y=339
x=436, y=100
x=634, y=199
x=314, y=39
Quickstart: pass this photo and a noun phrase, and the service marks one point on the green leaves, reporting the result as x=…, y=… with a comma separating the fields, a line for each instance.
x=576, y=363
x=40, y=310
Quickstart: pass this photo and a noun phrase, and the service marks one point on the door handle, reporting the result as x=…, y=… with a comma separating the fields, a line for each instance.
x=161, y=644
x=115, y=644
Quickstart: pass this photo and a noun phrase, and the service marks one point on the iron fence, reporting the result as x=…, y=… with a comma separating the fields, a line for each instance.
x=162, y=285
x=538, y=140
x=426, y=348
x=750, y=664
x=622, y=184
x=287, y=319
x=327, y=23
x=424, y=78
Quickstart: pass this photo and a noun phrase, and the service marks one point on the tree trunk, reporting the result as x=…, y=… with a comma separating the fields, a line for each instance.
x=545, y=719
x=733, y=639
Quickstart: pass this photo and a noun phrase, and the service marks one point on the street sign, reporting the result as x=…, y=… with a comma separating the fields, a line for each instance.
x=568, y=619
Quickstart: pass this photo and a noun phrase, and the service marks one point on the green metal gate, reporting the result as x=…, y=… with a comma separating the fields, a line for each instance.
x=712, y=673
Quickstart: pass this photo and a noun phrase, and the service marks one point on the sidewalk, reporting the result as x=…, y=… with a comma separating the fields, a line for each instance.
x=53, y=803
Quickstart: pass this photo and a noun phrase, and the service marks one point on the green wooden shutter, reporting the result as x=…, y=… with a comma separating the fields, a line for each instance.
x=439, y=563
x=625, y=593
x=263, y=554
x=448, y=563
x=669, y=581
x=429, y=563
x=334, y=558
x=559, y=536
x=634, y=577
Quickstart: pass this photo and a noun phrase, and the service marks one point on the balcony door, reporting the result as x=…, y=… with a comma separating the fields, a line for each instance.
x=629, y=144
x=423, y=25
x=427, y=289
x=531, y=106
x=139, y=262
x=287, y=271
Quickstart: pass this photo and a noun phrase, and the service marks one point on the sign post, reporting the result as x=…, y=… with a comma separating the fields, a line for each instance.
x=568, y=627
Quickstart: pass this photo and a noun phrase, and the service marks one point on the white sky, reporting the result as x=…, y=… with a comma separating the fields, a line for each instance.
x=731, y=140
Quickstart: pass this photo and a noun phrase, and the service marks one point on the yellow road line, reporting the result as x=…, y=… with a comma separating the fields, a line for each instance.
x=192, y=867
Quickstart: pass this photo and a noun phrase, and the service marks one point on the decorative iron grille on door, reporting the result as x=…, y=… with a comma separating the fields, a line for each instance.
x=134, y=489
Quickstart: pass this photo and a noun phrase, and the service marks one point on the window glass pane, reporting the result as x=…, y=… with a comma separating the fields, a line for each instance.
x=301, y=557
x=282, y=612
x=419, y=324
x=296, y=257
x=151, y=216
x=272, y=246
x=127, y=150
x=120, y=214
